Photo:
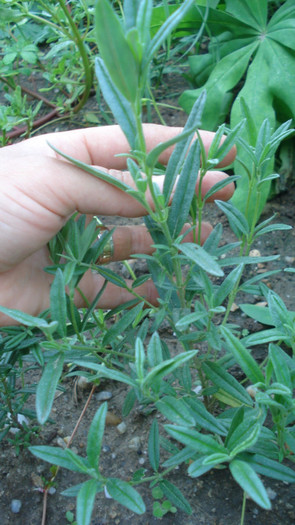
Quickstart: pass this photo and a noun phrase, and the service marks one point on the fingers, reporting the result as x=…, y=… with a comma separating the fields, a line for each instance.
x=100, y=145
x=210, y=179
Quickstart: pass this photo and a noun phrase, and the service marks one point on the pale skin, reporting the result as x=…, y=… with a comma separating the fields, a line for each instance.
x=39, y=193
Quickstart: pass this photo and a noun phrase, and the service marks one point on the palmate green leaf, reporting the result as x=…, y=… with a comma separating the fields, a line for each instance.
x=62, y=458
x=200, y=257
x=47, y=386
x=201, y=443
x=119, y=105
x=115, y=51
x=175, y=410
x=249, y=481
x=125, y=494
x=85, y=502
x=154, y=446
x=227, y=384
x=185, y=191
x=167, y=367
x=175, y=496
x=58, y=303
x=95, y=436
x=253, y=13
x=242, y=356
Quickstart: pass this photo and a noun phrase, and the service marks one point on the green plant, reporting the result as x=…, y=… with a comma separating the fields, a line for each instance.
x=216, y=421
x=247, y=71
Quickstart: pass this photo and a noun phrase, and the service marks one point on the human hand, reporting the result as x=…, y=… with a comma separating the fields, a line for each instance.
x=40, y=191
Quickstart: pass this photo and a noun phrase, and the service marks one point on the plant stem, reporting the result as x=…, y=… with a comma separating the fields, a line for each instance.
x=243, y=508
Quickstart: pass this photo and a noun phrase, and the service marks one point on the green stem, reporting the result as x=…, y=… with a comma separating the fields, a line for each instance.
x=243, y=508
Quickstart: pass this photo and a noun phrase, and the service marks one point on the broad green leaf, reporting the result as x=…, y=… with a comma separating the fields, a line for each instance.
x=62, y=458
x=47, y=386
x=259, y=313
x=249, y=481
x=58, y=303
x=201, y=443
x=175, y=496
x=125, y=494
x=85, y=502
x=121, y=108
x=115, y=51
x=95, y=436
x=154, y=446
x=278, y=311
x=242, y=356
x=253, y=12
x=200, y=257
x=175, y=410
x=167, y=367
x=227, y=384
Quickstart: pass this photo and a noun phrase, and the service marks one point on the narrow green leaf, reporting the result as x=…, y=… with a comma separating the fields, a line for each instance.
x=167, y=367
x=139, y=358
x=185, y=191
x=237, y=220
x=175, y=410
x=103, y=371
x=273, y=469
x=200, y=257
x=228, y=285
x=125, y=494
x=26, y=319
x=220, y=185
x=189, y=319
x=58, y=303
x=244, y=436
x=197, y=468
x=59, y=457
x=165, y=30
x=203, y=418
x=225, y=382
x=118, y=328
x=242, y=356
x=249, y=481
x=95, y=436
x=154, y=446
x=154, y=350
x=201, y=443
x=115, y=51
x=175, y=496
x=119, y=105
x=85, y=502
x=281, y=369
x=47, y=386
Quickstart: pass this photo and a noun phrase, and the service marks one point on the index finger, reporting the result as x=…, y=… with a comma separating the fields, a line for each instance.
x=101, y=145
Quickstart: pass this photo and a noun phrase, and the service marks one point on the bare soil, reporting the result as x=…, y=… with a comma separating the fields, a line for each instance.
x=215, y=498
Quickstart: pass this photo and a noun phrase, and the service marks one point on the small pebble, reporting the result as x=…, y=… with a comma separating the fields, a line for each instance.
x=15, y=506
x=271, y=493
x=134, y=443
x=61, y=442
x=255, y=253
x=83, y=382
x=106, y=448
x=289, y=259
x=122, y=427
x=141, y=461
x=52, y=490
x=104, y=395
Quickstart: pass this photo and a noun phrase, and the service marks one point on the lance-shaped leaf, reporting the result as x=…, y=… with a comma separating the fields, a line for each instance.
x=167, y=367
x=201, y=443
x=85, y=502
x=175, y=496
x=200, y=257
x=242, y=356
x=58, y=303
x=62, y=458
x=185, y=191
x=250, y=482
x=47, y=386
x=227, y=384
x=115, y=51
x=119, y=105
x=95, y=436
x=125, y=494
